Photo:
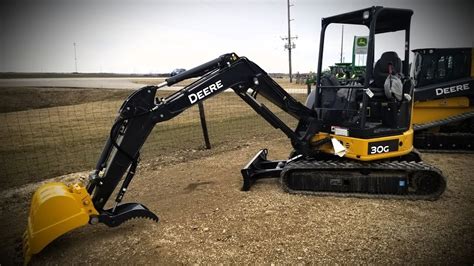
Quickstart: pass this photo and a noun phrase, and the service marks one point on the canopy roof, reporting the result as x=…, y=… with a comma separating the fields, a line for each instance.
x=387, y=19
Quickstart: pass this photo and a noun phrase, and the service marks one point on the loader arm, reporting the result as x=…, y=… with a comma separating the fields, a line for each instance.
x=142, y=111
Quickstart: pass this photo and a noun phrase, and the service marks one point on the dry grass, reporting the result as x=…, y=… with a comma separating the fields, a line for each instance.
x=45, y=142
x=19, y=99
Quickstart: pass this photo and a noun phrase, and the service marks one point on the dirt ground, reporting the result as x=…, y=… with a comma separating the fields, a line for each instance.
x=206, y=219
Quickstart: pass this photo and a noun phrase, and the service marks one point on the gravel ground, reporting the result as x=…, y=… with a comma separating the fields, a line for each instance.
x=205, y=218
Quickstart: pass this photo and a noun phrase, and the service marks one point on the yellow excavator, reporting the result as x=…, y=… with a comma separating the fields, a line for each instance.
x=443, y=114
x=354, y=139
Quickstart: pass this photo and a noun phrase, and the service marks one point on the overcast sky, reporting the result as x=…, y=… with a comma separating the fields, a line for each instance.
x=128, y=36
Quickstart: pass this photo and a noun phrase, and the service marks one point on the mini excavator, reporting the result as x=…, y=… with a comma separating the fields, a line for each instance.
x=351, y=140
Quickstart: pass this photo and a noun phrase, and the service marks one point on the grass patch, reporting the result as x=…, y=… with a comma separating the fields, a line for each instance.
x=20, y=99
x=38, y=143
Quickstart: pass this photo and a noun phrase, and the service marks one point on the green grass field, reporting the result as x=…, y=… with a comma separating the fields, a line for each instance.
x=50, y=132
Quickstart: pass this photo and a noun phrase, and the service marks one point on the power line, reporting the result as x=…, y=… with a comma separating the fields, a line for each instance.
x=290, y=45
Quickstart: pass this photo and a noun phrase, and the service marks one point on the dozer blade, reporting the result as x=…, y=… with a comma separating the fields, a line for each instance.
x=55, y=210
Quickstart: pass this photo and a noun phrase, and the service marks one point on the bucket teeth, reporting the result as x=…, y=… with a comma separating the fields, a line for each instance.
x=155, y=219
x=125, y=212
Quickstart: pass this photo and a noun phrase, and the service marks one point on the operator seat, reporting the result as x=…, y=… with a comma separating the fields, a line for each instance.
x=395, y=112
x=381, y=68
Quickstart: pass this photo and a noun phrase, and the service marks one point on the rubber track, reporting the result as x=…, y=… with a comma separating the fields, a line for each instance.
x=431, y=142
x=408, y=167
x=436, y=139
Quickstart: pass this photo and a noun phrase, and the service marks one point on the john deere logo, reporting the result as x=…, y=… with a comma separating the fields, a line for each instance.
x=362, y=42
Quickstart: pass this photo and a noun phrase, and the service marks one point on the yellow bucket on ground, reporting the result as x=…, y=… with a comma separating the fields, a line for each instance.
x=55, y=209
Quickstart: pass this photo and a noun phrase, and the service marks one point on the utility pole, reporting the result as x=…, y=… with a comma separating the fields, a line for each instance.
x=75, y=57
x=290, y=46
x=342, y=42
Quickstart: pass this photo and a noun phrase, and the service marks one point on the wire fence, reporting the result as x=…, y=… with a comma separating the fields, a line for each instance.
x=40, y=143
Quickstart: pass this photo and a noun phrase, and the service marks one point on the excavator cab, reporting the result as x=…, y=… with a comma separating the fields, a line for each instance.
x=371, y=114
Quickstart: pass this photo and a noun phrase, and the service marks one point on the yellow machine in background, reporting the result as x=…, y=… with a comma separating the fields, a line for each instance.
x=443, y=115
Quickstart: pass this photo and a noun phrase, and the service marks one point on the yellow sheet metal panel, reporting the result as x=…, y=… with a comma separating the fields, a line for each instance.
x=429, y=111
x=55, y=209
x=358, y=149
x=455, y=102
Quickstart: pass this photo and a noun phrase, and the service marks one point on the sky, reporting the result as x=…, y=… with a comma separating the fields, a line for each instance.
x=143, y=36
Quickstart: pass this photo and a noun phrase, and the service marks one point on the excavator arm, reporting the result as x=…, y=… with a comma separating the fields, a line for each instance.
x=137, y=117
x=142, y=111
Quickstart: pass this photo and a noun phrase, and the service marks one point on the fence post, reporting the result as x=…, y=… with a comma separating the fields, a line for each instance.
x=204, y=125
x=309, y=87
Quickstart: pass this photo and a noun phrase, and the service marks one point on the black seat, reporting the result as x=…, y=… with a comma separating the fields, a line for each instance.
x=381, y=68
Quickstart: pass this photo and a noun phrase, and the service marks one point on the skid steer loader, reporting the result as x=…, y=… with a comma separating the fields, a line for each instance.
x=443, y=114
x=351, y=140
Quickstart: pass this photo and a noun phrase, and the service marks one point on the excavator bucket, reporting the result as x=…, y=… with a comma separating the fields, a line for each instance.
x=55, y=209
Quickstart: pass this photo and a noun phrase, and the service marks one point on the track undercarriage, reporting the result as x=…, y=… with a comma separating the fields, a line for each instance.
x=453, y=134
x=387, y=179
